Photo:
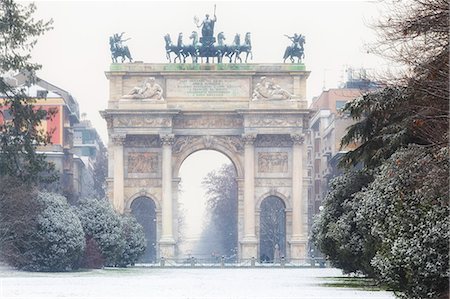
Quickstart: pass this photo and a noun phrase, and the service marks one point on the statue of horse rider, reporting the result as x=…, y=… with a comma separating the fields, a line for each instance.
x=117, y=48
x=296, y=49
x=296, y=39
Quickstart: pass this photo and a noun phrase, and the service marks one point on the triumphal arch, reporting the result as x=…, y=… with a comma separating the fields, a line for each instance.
x=256, y=114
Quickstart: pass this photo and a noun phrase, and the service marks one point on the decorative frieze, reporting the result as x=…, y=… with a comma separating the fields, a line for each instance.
x=207, y=122
x=272, y=182
x=273, y=140
x=142, y=183
x=141, y=121
x=273, y=162
x=143, y=141
x=275, y=121
x=143, y=162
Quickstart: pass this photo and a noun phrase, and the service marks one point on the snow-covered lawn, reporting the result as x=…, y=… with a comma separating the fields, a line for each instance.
x=180, y=283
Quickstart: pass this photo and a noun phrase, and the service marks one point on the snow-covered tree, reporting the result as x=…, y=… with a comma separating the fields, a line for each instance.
x=272, y=228
x=338, y=233
x=19, y=131
x=222, y=204
x=407, y=209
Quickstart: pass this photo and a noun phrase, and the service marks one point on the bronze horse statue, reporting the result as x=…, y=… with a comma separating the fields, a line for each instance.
x=236, y=48
x=295, y=51
x=176, y=49
x=119, y=51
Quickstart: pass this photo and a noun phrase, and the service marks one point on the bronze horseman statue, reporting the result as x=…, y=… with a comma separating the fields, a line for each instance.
x=118, y=49
x=295, y=49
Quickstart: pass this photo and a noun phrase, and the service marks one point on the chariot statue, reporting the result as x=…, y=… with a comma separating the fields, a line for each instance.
x=207, y=46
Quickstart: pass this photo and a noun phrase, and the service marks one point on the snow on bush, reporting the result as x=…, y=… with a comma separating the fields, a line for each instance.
x=135, y=244
x=120, y=239
x=56, y=243
x=101, y=223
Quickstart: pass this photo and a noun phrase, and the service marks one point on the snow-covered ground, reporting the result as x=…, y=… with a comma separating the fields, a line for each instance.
x=180, y=283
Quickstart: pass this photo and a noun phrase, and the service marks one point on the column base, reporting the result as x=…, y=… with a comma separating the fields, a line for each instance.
x=167, y=248
x=298, y=250
x=249, y=248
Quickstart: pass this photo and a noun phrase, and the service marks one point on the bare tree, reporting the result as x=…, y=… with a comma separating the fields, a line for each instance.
x=272, y=229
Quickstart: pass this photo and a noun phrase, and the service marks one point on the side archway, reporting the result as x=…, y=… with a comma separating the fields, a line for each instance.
x=272, y=229
x=143, y=208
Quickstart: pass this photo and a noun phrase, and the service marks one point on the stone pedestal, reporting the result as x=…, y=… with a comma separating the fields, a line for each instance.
x=298, y=249
x=167, y=249
x=249, y=249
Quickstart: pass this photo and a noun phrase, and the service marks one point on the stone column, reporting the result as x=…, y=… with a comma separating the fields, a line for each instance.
x=249, y=242
x=167, y=241
x=298, y=238
x=118, y=172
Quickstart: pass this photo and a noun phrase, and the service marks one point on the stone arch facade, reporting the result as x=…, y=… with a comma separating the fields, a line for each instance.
x=217, y=107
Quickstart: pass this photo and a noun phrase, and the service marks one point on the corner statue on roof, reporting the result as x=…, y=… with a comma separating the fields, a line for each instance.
x=296, y=49
x=118, y=49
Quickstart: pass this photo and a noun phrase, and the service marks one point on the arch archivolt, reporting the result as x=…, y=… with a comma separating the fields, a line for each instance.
x=230, y=146
x=143, y=193
x=273, y=192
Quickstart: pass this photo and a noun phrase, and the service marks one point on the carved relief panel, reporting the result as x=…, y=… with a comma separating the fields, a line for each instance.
x=143, y=162
x=273, y=162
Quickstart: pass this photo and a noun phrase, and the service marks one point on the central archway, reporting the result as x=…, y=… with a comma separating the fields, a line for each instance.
x=207, y=207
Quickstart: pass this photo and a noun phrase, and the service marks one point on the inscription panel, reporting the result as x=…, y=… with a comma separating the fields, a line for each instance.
x=207, y=87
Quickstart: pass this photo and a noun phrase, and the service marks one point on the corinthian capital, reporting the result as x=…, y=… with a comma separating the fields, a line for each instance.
x=118, y=139
x=167, y=139
x=298, y=138
x=248, y=139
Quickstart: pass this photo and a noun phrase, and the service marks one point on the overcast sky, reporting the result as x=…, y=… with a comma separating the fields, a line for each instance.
x=75, y=54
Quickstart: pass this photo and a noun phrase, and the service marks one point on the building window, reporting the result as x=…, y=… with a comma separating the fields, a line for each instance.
x=340, y=104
